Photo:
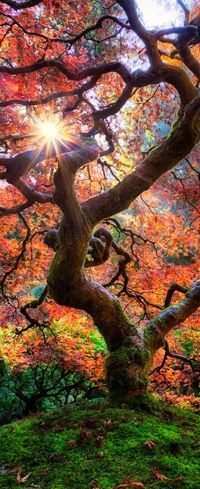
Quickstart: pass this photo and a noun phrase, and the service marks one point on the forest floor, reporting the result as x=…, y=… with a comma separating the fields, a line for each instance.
x=96, y=447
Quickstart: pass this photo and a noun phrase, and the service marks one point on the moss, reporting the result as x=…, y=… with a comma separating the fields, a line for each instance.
x=127, y=325
x=41, y=446
x=127, y=355
x=127, y=373
x=120, y=308
x=174, y=128
x=119, y=357
x=145, y=402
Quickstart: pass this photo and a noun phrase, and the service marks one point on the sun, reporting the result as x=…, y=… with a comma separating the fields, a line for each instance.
x=51, y=136
x=49, y=130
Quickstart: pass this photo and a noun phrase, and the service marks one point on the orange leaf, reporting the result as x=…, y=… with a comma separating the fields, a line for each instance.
x=150, y=444
x=159, y=477
x=21, y=479
x=129, y=484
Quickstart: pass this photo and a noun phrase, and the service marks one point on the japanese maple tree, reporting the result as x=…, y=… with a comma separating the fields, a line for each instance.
x=80, y=82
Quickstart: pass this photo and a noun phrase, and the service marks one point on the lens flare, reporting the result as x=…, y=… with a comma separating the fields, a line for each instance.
x=52, y=138
x=50, y=135
x=49, y=130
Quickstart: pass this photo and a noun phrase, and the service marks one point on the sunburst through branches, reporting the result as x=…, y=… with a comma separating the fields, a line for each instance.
x=52, y=139
x=51, y=134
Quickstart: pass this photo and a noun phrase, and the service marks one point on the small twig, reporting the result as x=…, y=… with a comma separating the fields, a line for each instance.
x=185, y=10
x=185, y=192
x=192, y=167
x=121, y=268
x=19, y=257
x=173, y=288
x=194, y=364
x=33, y=305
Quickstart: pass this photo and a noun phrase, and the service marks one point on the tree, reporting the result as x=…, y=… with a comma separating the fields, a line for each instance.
x=39, y=388
x=50, y=54
x=38, y=374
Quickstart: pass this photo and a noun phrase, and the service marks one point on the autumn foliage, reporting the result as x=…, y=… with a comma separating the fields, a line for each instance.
x=156, y=238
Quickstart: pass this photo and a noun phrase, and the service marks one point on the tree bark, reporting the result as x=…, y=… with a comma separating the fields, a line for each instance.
x=130, y=349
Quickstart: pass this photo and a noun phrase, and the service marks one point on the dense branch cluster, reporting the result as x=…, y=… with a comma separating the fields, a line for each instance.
x=77, y=240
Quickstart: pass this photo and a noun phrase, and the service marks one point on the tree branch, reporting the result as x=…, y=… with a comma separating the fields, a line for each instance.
x=157, y=329
x=103, y=307
x=18, y=258
x=182, y=139
x=130, y=8
x=195, y=366
x=79, y=150
x=116, y=106
x=22, y=5
x=100, y=69
x=162, y=72
x=97, y=26
x=4, y=211
x=173, y=288
x=185, y=10
x=190, y=31
x=188, y=59
x=33, y=305
x=42, y=101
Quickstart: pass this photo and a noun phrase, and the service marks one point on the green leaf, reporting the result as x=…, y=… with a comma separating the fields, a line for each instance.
x=188, y=347
x=37, y=291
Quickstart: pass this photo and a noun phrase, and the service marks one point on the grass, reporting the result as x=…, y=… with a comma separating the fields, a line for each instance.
x=99, y=447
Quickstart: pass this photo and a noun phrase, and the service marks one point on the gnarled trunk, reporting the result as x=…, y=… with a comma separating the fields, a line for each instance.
x=129, y=359
x=130, y=349
x=127, y=372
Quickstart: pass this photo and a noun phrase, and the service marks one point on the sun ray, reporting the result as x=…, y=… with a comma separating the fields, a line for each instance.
x=50, y=135
x=53, y=139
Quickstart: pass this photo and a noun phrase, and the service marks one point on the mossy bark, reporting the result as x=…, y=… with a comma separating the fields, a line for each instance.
x=129, y=359
x=127, y=373
x=131, y=349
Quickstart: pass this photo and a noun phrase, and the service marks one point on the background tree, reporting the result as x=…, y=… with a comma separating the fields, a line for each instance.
x=105, y=61
x=42, y=372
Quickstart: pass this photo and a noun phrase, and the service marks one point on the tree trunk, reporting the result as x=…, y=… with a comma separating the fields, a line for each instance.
x=129, y=357
x=130, y=349
x=127, y=373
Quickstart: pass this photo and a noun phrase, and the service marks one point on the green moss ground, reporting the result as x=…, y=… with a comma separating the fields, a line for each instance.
x=86, y=448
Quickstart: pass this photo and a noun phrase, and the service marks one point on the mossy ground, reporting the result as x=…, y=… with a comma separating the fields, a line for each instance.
x=99, y=447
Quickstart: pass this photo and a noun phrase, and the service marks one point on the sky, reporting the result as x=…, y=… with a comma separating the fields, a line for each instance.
x=160, y=13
